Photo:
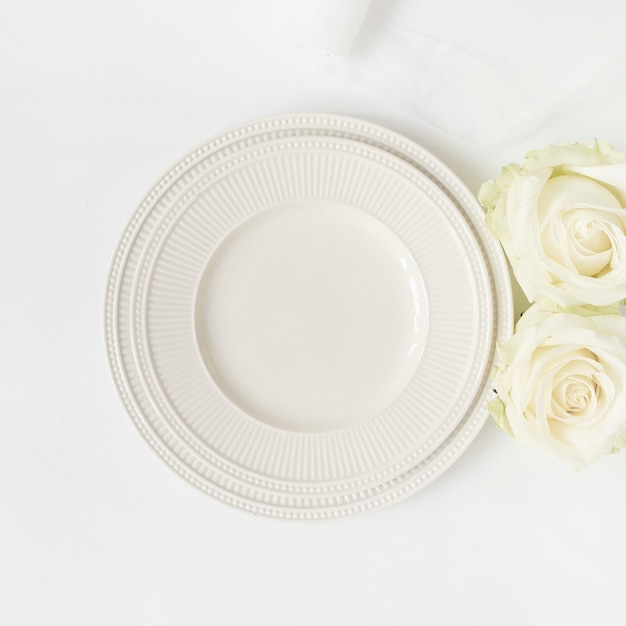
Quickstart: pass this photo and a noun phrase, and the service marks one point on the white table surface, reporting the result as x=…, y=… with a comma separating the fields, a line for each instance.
x=97, y=99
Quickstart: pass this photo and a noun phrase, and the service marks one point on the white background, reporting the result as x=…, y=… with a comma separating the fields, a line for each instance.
x=97, y=100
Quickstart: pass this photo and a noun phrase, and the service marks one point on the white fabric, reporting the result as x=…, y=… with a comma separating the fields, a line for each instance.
x=522, y=83
x=326, y=25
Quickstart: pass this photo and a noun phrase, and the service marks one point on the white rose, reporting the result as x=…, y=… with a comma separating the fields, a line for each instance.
x=561, y=383
x=561, y=219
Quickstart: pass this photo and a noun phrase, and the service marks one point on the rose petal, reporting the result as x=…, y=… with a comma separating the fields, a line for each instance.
x=613, y=175
x=569, y=191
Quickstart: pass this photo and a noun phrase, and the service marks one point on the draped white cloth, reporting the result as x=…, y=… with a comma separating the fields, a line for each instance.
x=494, y=82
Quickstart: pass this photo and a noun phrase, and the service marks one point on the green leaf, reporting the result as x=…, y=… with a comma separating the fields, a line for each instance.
x=498, y=411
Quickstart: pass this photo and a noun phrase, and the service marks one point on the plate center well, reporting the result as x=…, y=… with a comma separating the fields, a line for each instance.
x=312, y=316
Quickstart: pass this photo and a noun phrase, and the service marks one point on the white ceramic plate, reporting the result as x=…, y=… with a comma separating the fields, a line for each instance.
x=301, y=321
